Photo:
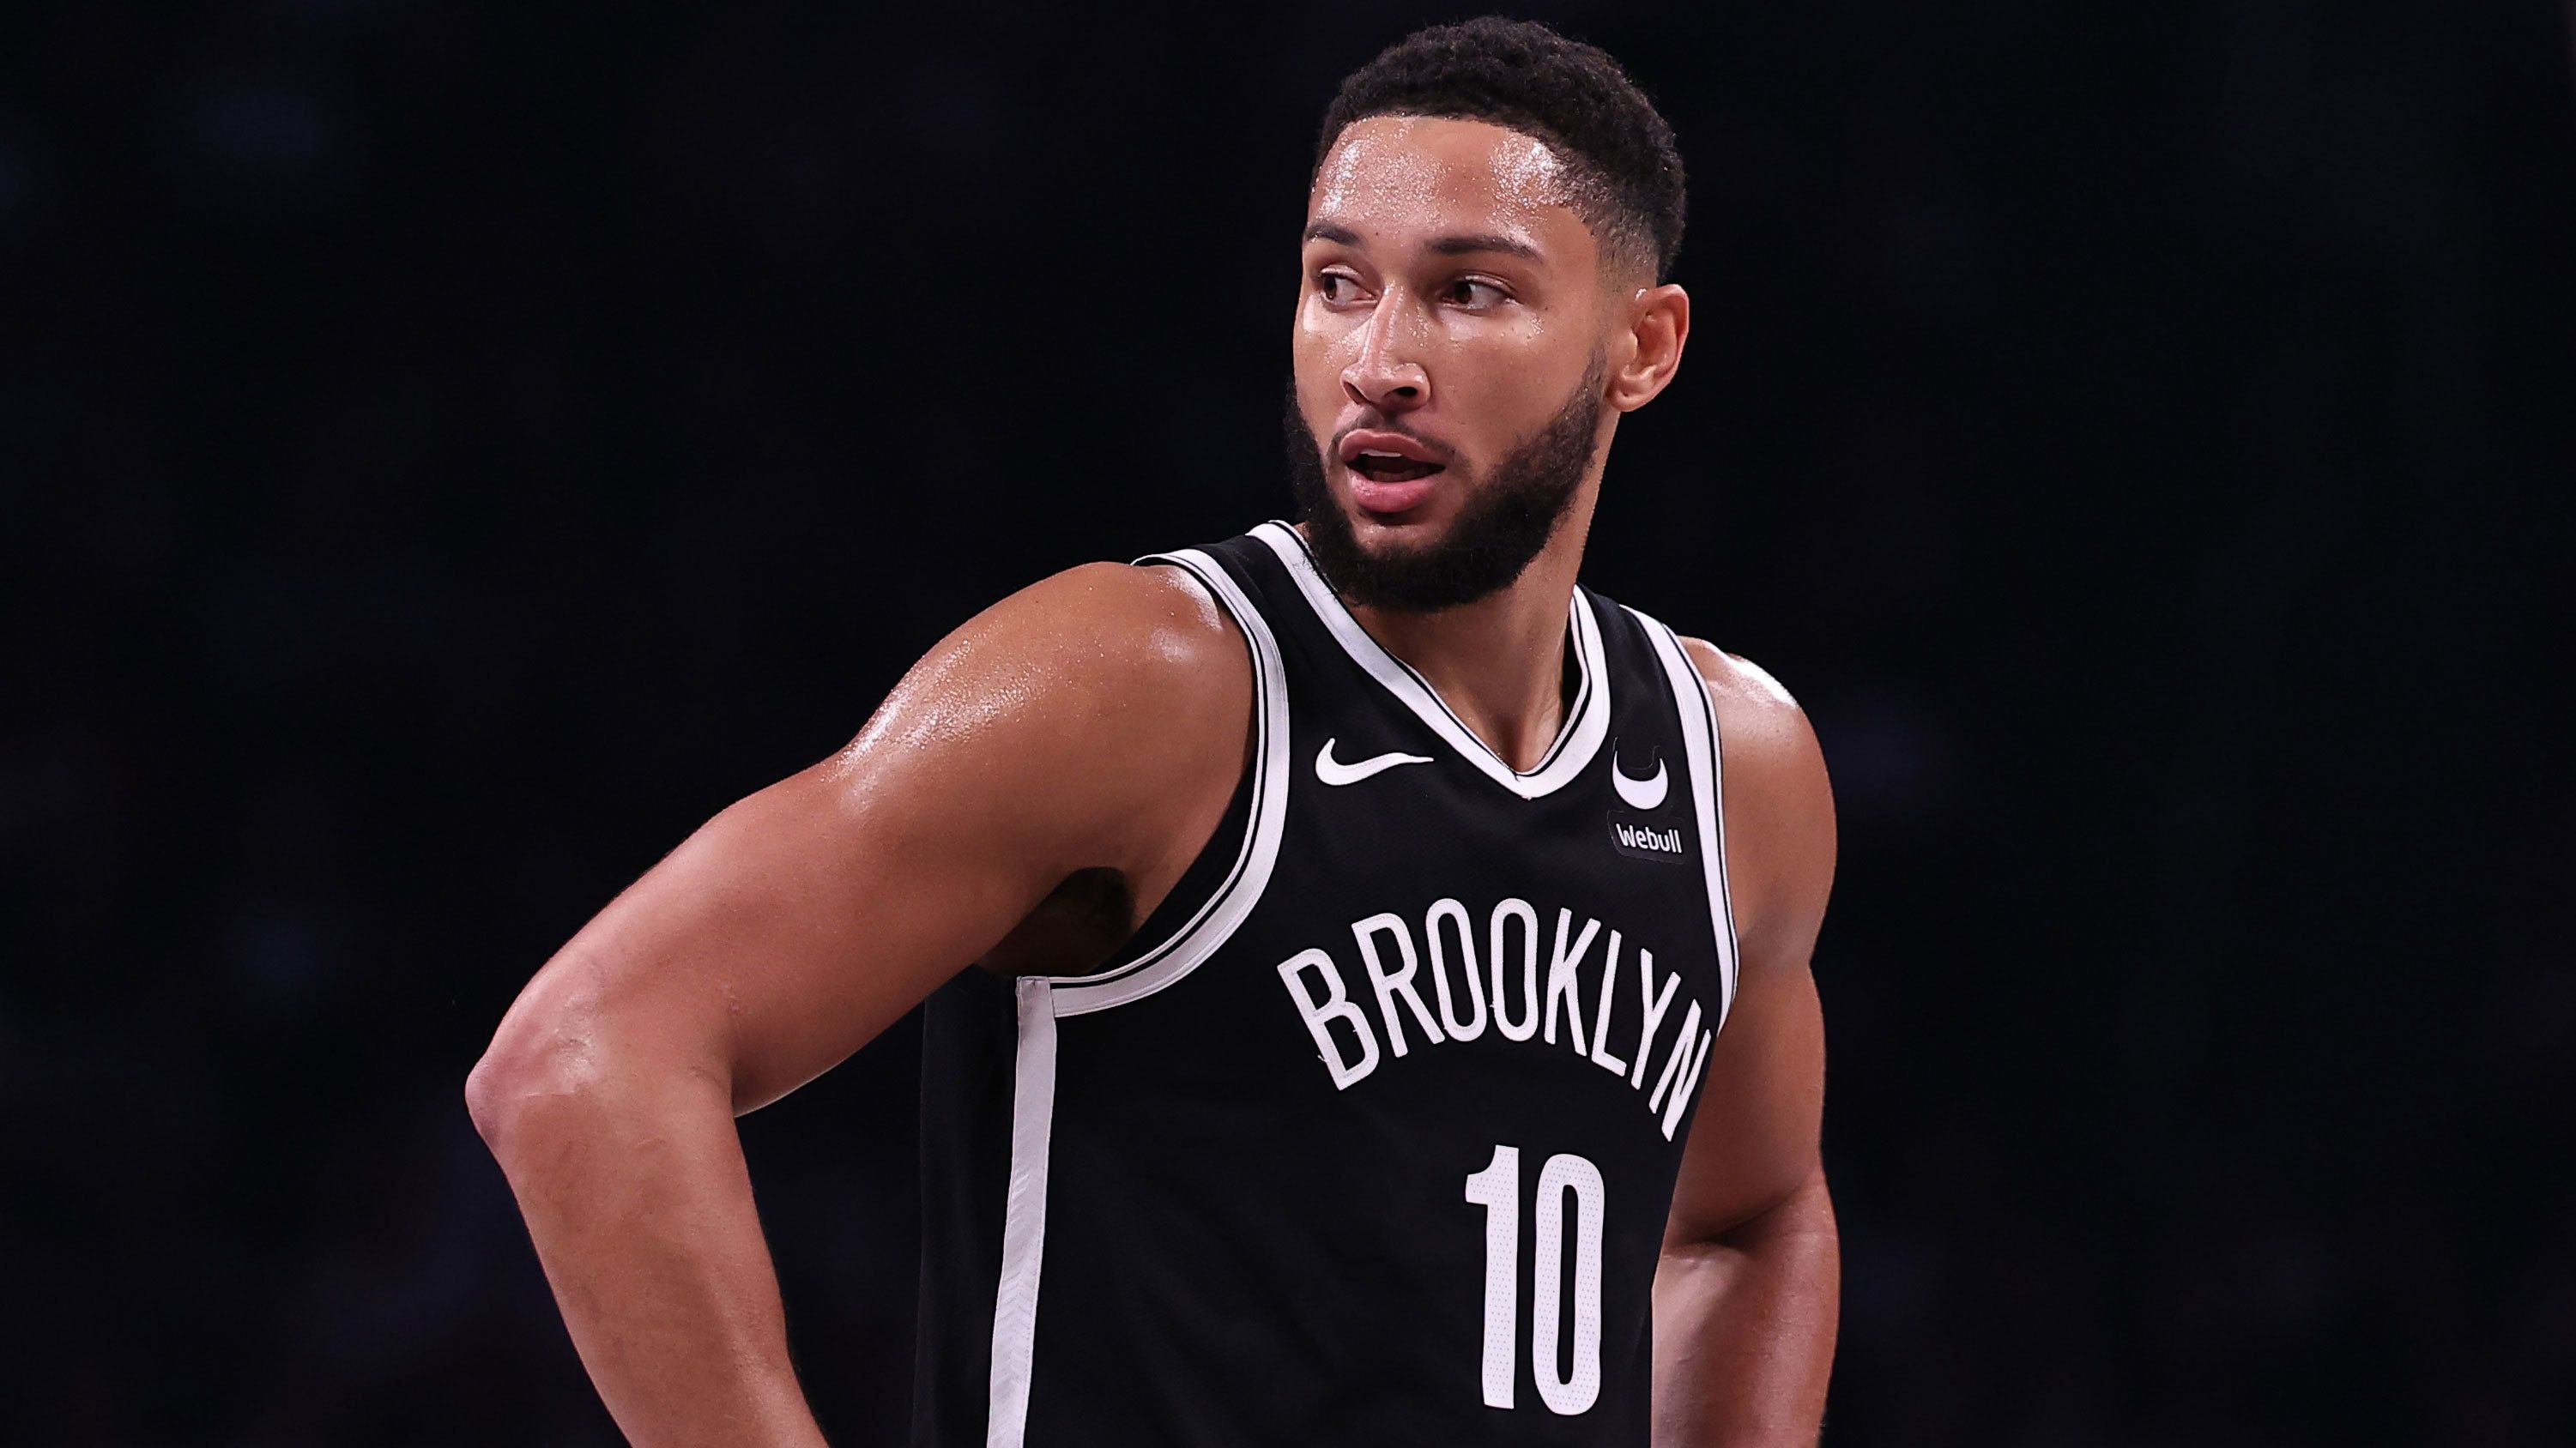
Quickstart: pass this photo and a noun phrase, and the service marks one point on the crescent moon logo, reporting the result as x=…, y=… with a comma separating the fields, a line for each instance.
x=1639, y=793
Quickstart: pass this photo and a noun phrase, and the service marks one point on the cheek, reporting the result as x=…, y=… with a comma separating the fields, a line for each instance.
x=1496, y=396
x=1506, y=390
x=1317, y=351
x=1317, y=332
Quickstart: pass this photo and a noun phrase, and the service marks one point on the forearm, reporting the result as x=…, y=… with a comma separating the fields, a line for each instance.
x=640, y=1206
x=1744, y=1329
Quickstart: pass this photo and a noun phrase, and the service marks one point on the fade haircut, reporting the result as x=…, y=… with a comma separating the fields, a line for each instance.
x=1625, y=173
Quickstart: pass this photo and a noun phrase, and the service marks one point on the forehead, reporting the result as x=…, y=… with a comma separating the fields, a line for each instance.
x=1390, y=174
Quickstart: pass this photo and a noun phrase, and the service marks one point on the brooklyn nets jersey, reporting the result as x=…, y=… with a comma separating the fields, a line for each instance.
x=1369, y=1136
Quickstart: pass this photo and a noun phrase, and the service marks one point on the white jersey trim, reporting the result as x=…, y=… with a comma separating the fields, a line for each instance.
x=1015, y=1301
x=1225, y=909
x=1708, y=793
x=1586, y=724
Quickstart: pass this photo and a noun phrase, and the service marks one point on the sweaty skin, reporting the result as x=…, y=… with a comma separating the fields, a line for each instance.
x=1450, y=294
x=1038, y=782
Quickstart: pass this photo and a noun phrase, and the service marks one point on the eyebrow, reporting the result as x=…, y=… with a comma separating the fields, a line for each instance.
x=1468, y=245
x=1443, y=246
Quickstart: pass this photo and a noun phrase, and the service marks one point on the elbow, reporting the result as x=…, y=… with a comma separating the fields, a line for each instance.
x=567, y=1065
x=497, y=1089
x=1805, y=1212
x=542, y=1059
x=484, y=1097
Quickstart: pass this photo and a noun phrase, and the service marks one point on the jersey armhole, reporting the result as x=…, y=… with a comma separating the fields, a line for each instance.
x=1706, y=755
x=1226, y=879
x=1198, y=885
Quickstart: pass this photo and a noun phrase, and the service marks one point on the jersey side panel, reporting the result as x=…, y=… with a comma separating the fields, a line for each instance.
x=969, y=1036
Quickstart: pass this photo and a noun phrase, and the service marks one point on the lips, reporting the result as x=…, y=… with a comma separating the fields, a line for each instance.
x=1391, y=472
x=1391, y=457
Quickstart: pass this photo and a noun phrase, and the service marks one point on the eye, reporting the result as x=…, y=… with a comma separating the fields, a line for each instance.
x=1474, y=293
x=1336, y=286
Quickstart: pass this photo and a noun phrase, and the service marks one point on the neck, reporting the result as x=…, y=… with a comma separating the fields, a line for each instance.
x=1499, y=663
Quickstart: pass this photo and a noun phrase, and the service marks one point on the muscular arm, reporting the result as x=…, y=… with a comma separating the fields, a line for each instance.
x=1094, y=721
x=1746, y=1299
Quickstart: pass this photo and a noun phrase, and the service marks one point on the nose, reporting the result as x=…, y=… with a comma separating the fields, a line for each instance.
x=1386, y=374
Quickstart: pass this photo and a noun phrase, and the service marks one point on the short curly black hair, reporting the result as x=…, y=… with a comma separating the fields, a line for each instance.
x=1518, y=73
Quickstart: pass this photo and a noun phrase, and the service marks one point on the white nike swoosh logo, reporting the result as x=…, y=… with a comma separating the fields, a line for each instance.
x=1333, y=771
x=1639, y=793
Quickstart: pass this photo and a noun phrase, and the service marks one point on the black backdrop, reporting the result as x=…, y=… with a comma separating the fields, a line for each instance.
x=451, y=449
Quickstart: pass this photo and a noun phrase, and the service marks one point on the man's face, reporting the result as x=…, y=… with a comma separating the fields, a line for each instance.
x=1449, y=349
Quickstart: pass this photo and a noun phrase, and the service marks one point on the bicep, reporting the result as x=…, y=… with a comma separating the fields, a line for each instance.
x=800, y=922
x=789, y=930
x=1755, y=1138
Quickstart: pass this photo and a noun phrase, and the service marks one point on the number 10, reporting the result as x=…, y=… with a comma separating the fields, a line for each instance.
x=1498, y=1190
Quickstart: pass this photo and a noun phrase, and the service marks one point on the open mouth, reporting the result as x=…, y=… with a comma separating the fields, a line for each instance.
x=1387, y=467
x=1392, y=472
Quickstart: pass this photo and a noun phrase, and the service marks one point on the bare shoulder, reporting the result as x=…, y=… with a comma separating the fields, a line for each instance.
x=1751, y=704
x=1779, y=800
x=1771, y=754
x=1093, y=702
x=1096, y=644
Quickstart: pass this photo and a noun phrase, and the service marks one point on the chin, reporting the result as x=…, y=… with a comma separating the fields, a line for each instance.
x=1394, y=542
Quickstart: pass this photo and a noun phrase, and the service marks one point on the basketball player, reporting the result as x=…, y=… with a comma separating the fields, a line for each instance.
x=1389, y=1018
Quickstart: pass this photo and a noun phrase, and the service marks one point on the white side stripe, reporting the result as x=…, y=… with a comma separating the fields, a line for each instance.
x=1700, y=747
x=1015, y=1304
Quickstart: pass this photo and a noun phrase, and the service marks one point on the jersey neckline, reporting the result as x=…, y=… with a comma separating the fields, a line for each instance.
x=1587, y=721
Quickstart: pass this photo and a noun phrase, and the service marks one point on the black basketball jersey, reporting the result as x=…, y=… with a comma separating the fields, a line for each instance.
x=1369, y=1136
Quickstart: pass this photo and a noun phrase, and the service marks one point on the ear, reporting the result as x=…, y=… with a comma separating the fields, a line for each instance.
x=1658, y=324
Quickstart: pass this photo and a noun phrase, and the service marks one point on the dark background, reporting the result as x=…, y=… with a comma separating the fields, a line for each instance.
x=448, y=451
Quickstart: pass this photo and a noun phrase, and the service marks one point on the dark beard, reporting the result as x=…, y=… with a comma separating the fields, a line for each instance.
x=1502, y=525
